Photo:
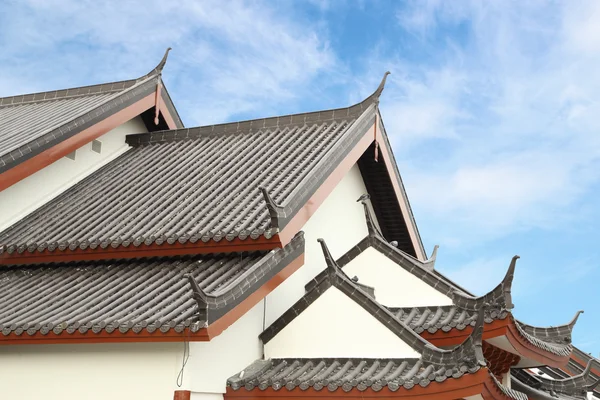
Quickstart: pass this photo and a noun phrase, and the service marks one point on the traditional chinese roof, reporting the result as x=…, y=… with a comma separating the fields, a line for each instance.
x=434, y=366
x=88, y=299
x=334, y=277
x=541, y=387
x=233, y=182
x=32, y=123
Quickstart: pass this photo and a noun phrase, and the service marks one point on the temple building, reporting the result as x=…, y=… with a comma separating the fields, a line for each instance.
x=262, y=259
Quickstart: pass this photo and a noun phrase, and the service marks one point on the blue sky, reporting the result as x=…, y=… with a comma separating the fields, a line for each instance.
x=493, y=108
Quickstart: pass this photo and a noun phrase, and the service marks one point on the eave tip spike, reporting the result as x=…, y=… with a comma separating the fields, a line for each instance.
x=198, y=293
x=575, y=318
x=511, y=270
x=331, y=264
x=434, y=253
x=381, y=87
x=162, y=62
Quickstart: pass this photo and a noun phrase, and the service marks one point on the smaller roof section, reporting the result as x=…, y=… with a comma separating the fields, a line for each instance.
x=33, y=123
x=464, y=365
x=542, y=388
x=158, y=299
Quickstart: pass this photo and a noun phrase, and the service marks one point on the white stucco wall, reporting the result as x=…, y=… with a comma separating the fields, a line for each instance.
x=394, y=286
x=336, y=326
x=32, y=192
x=212, y=363
x=90, y=371
x=340, y=220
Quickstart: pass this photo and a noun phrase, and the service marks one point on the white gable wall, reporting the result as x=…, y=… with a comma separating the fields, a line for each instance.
x=340, y=220
x=394, y=286
x=334, y=325
x=37, y=189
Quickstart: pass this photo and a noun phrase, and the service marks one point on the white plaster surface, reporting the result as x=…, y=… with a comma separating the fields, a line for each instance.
x=394, y=286
x=341, y=222
x=212, y=363
x=89, y=371
x=37, y=189
x=334, y=325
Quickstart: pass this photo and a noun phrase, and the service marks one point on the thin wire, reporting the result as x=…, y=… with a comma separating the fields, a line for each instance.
x=186, y=356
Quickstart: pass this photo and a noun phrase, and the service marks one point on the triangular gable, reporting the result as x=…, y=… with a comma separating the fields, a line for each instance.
x=38, y=129
x=375, y=269
x=334, y=325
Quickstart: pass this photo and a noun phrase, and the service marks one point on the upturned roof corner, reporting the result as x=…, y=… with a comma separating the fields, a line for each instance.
x=375, y=96
x=332, y=266
x=198, y=294
x=275, y=210
x=575, y=318
x=370, y=219
x=469, y=352
x=159, y=67
x=499, y=297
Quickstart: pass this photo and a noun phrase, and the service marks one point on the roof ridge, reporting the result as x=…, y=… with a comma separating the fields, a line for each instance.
x=279, y=121
x=107, y=87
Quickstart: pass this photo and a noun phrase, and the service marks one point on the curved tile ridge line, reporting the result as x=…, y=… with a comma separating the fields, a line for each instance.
x=469, y=352
x=574, y=385
x=374, y=231
x=499, y=297
x=67, y=128
x=534, y=392
x=558, y=334
x=215, y=305
x=261, y=123
x=560, y=349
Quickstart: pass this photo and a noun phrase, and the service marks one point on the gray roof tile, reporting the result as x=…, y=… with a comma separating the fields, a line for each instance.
x=136, y=295
x=32, y=123
x=345, y=374
x=211, y=177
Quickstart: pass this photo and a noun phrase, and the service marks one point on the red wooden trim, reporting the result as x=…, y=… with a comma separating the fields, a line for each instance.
x=143, y=250
x=311, y=206
x=465, y=386
x=182, y=395
x=47, y=157
x=505, y=327
x=203, y=335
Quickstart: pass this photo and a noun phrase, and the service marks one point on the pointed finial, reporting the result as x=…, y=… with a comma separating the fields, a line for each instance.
x=370, y=219
x=507, y=283
x=575, y=318
x=332, y=266
x=197, y=293
x=158, y=69
x=430, y=262
x=379, y=90
x=273, y=208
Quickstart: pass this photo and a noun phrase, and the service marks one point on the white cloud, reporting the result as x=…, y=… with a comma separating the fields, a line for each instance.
x=497, y=131
x=229, y=58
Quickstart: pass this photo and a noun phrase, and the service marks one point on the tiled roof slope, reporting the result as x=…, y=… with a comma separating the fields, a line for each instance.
x=32, y=123
x=133, y=295
x=198, y=184
x=347, y=374
x=576, y=386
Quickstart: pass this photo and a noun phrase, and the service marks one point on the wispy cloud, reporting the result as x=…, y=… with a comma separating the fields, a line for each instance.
x=499, y=125
x=231, y=58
